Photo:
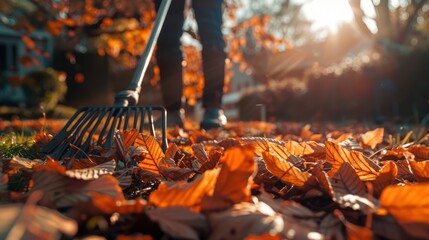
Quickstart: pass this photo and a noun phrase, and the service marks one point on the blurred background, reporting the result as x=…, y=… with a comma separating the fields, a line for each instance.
x=288, y=60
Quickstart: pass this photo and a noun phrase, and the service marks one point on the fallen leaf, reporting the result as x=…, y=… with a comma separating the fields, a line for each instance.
x=284, y=170
x=151, y=160
x=183, y=193
x=373, y=138
x=179, y=222
x=337, y=155
x=420, y=170
x=233, y=183
x=409, y=205
x=386, y=176
x=245, y=219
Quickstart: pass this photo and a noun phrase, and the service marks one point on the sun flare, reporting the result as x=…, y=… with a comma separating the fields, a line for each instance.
x=327, y=14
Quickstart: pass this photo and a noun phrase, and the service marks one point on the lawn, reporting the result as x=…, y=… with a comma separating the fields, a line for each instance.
x=252, y=180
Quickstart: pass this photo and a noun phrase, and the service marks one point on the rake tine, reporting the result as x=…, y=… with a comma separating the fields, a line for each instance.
x=112, y=128
x=150, y=118
x=88, y=141
x=127, y=117
x=143, y=116
x=100, y=138
x=64, y=133
x=136, y=117
x=78, y=131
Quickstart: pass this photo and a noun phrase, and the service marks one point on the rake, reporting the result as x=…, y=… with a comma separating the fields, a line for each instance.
x=80, y=132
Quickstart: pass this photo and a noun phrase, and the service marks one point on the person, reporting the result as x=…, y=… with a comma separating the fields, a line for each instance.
x=169, y=58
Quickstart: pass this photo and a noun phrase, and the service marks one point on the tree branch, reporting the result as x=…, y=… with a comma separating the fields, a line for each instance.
x=359, y=15
x=410, y=21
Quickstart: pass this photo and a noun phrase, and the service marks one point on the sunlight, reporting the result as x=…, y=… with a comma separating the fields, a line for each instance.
x=327, y=14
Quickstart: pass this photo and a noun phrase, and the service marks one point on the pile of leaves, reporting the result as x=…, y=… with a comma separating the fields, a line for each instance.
x=223, y=185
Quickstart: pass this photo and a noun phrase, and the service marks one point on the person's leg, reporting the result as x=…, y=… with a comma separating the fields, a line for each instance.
x=169, y=55
x=209, y=19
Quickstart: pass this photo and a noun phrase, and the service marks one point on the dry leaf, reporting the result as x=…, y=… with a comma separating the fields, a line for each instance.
x=59, y=190
x=93, y=172
x=153, y=157
x=409, y=204
x=245, y=219
x=420, y=170
x=337, y=155
x=386, y=176
x=346, y=181
x=284, y=170
x=322, y=178
x=179, y=222
x=373, y=138
x=185, y=194
x=233, y=183
x=28, y=221
x=420, y=152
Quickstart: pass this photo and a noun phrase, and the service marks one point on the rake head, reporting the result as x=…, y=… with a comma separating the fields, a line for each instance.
x=97, y=125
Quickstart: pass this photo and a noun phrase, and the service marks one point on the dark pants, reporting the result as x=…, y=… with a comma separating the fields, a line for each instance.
x=208, y=14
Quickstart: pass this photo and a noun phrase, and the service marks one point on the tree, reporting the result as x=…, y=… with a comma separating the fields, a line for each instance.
x=395, y=21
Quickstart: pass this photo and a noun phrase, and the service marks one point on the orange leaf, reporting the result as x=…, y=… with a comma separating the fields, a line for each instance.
x=309, y=148
x=232, y=185
x=28, y=41
x=154, y=156
x=337, y=155
x=285, y=170
x=183, y=193
x=386, y=177
x=373, y=138
x=41, y=139
x=346, y=181
x=420, y=152
x=409, y=204
x=420, y=170
x=322, y=178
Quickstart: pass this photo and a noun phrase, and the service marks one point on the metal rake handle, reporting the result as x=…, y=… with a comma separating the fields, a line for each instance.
x=130, y=96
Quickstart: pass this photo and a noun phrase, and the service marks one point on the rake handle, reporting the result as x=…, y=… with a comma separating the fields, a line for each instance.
x=130, y=96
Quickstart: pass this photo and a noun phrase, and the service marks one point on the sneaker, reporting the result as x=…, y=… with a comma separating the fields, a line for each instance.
x=213, y=118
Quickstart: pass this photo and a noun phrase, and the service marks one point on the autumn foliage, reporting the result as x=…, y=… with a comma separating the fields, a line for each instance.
x=120, y=30
x=224, y=185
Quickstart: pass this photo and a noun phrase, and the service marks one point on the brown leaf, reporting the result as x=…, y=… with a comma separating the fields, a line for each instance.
x=420, y=152
x=354, y=232
x=245, y=219
x=285, y=170
x=183, y=193
x=337, y=155
x=309, y=148
x=373, y=138
x=93, y=172
x=172, y=172
x=28, y=221
x=153, y=157
x=322, y=178
x=409, y=204
x=346, y=181
x=179, y=222
x=41, y=139
x=233, y=183
x=420, y=170
x=13, y=165
x=200, y=153
x=404, y=170
x=386, y=176
x=59, y=190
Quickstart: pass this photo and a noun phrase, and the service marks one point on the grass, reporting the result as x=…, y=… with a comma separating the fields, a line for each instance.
x=17, y=145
